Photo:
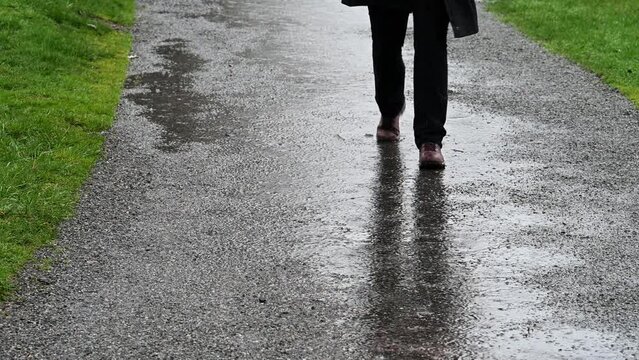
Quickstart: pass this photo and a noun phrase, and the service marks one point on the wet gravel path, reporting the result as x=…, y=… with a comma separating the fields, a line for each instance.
x=243, y=210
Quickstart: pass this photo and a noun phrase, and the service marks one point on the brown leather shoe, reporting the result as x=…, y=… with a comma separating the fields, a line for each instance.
x=430, y=156
x=388, y=129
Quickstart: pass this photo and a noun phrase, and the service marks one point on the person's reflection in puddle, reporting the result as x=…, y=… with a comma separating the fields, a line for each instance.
x=388, y=215
x=415, y=301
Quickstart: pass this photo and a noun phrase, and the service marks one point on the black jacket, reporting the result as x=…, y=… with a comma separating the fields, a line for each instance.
x=462, y=13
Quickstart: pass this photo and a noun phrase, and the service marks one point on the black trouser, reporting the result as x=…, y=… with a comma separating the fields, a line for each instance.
x=431, y=65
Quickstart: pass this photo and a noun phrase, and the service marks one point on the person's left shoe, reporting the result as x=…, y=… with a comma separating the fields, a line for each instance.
x=430, y=156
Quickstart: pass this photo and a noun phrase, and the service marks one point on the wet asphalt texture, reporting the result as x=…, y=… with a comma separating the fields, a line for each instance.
x=244, y=210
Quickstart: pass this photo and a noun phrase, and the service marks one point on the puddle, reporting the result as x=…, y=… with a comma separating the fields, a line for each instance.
x=169, y=99
x=237, y=14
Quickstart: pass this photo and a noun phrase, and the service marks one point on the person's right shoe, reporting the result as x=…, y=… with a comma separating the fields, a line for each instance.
x=388, y=129
x=430, y=156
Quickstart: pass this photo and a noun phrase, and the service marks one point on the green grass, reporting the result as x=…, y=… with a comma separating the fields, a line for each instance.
x=62, y=67
x=601, y=35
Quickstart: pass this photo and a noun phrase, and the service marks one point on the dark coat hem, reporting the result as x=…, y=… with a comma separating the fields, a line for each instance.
x=462, y=13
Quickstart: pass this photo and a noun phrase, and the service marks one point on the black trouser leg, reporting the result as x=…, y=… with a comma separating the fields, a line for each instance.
x=388, y=27
x=431, y=71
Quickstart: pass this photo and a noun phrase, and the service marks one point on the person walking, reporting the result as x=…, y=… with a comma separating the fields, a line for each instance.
x=389, y=20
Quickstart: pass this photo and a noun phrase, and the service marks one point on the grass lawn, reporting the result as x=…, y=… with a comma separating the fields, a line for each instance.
x=62, y=67
x=601, y=35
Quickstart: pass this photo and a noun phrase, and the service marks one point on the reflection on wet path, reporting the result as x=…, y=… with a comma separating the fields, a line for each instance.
x=415, y=296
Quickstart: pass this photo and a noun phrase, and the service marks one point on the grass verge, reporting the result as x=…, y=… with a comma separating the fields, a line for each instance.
x=601, y=35
x=62, y=68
